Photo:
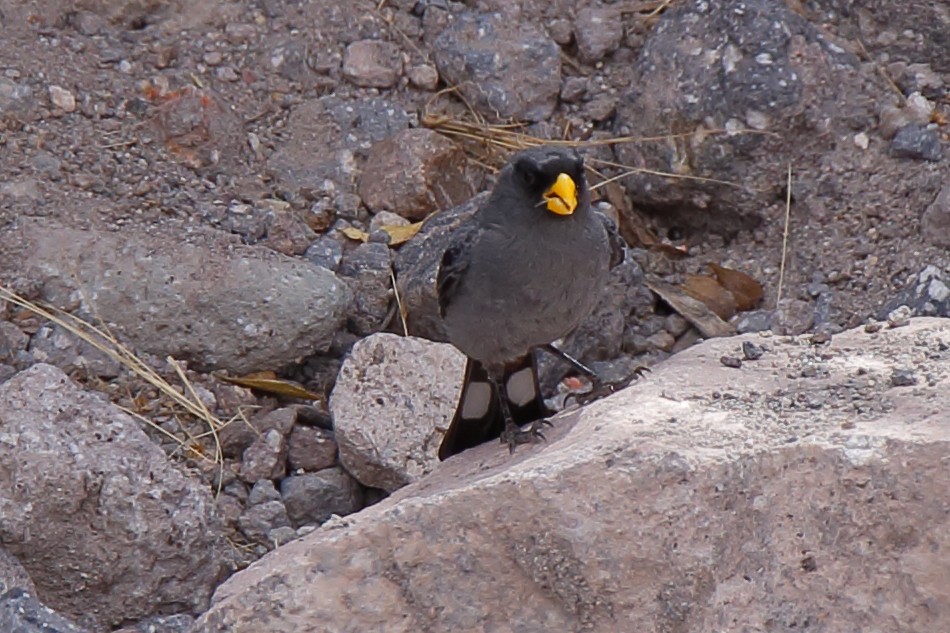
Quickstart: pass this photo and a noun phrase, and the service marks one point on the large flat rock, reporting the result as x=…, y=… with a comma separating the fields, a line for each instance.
x=802, y=491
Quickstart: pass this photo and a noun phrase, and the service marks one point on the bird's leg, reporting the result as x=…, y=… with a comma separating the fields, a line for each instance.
x=513, y=434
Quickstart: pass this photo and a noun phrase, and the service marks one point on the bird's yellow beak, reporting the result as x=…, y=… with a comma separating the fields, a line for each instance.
x=562, y=196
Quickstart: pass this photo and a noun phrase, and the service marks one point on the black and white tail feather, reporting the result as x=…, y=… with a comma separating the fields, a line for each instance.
x=479, y=418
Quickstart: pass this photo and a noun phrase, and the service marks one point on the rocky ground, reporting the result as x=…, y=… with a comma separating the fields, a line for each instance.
x=193, y=177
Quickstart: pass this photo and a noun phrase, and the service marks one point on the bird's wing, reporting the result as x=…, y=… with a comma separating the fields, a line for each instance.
x=454, y=263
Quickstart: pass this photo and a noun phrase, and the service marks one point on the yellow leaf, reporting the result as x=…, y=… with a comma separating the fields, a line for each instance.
x=399, y=233
x=355, y=234
x=274, y=386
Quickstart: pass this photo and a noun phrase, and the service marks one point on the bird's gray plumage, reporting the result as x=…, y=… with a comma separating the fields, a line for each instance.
x=517, y=276
x=514, y=277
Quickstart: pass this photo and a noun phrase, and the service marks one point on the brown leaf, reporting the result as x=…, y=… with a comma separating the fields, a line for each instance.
x=399, y=233
x=746, y=290
x=708, y=290
x=268, y=383
x=355, y=234
x=694, y=311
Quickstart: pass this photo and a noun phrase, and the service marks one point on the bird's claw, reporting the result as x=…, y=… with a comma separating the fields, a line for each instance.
x=513, y=436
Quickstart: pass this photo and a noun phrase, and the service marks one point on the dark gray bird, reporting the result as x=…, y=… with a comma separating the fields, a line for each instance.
x=522, y=272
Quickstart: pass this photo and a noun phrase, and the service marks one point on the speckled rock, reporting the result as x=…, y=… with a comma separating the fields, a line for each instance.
x=700, y=497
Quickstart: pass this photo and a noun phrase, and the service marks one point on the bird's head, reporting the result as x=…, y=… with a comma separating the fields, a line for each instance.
x=549, y=177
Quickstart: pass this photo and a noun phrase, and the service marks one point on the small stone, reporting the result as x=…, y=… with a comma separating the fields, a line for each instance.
x=573, y=89
x=263, y=491
x=598, y=31
x=751, y=351
x=265, y=458
x=731, y=361
x=257, y=521
x=366, y=270
x=872, y=328
x=424, y=77
x=283, y=534
x=754, y=321
x=62, y=99
x=212, y=58
x=311, y=449
x=820, y=338
x=899, y=317
x=326, y=252
x=861, y=140
x=227, y=73
x=916, y=142
x=676, y=325
x=903, y=378
x=312, y=497
x=890, y=120
x=919, y=109
x=561, y=31
x=372, y=63
x=935, y=222
x=662, y=340
x=387, y=218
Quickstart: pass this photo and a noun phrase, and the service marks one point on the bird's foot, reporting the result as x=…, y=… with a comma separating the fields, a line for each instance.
x=600, y=389
x=513, y=435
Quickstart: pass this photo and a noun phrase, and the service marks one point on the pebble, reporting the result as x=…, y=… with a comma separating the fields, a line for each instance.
x=62, y=99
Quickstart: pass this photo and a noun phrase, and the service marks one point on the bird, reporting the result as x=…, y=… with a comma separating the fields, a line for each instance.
x=522, y=272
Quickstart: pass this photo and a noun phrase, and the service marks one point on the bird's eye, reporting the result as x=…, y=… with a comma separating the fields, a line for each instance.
x=527, y=173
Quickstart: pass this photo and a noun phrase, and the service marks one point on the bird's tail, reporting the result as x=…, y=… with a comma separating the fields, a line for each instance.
x=479, y=418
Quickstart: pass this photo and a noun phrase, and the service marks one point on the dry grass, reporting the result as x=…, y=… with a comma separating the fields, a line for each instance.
x=185, y=400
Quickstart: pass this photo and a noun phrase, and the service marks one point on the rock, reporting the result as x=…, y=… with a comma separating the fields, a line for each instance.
x=54, y=345
x=266, y=458
x=393, y=399
x=935, y=222
x=416, y=265
x=262, y=492
x=926, y=294
x=326, y=252
x=574, y=89
x=178, y=623
x=598, y=31
x=311, y=449
x=21, y=612
x=200, y=129
x=914, y=141
x=287, y=232
x=13, y=341
x=764, y=68
x=198, y=301
x=312, y=498
x=423, y=77
x=416, y=172
x=372, y=63
x=325, y=136
x=12, y=574
x=505, y=69
x=386, y=218
x=62, y=98
x=367, y=271
x=237, y=436
x=108, y=530
x=646, y=512
x=258, y=521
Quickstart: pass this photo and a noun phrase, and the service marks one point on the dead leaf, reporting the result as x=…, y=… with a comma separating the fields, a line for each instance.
x=355, y=234
x=400, y=233
x=746, y=290
x=693, y=310
x=267, y=382
x=708, y=290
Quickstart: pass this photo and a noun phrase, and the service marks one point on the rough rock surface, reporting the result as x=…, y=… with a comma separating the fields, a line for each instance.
x=162, y=298
x=21, y=612
x=790, y=493
x=385, y=388
x=107, y=529
x=417, y=172
x=508, y=70
x=13, y=575
x=311, y=498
